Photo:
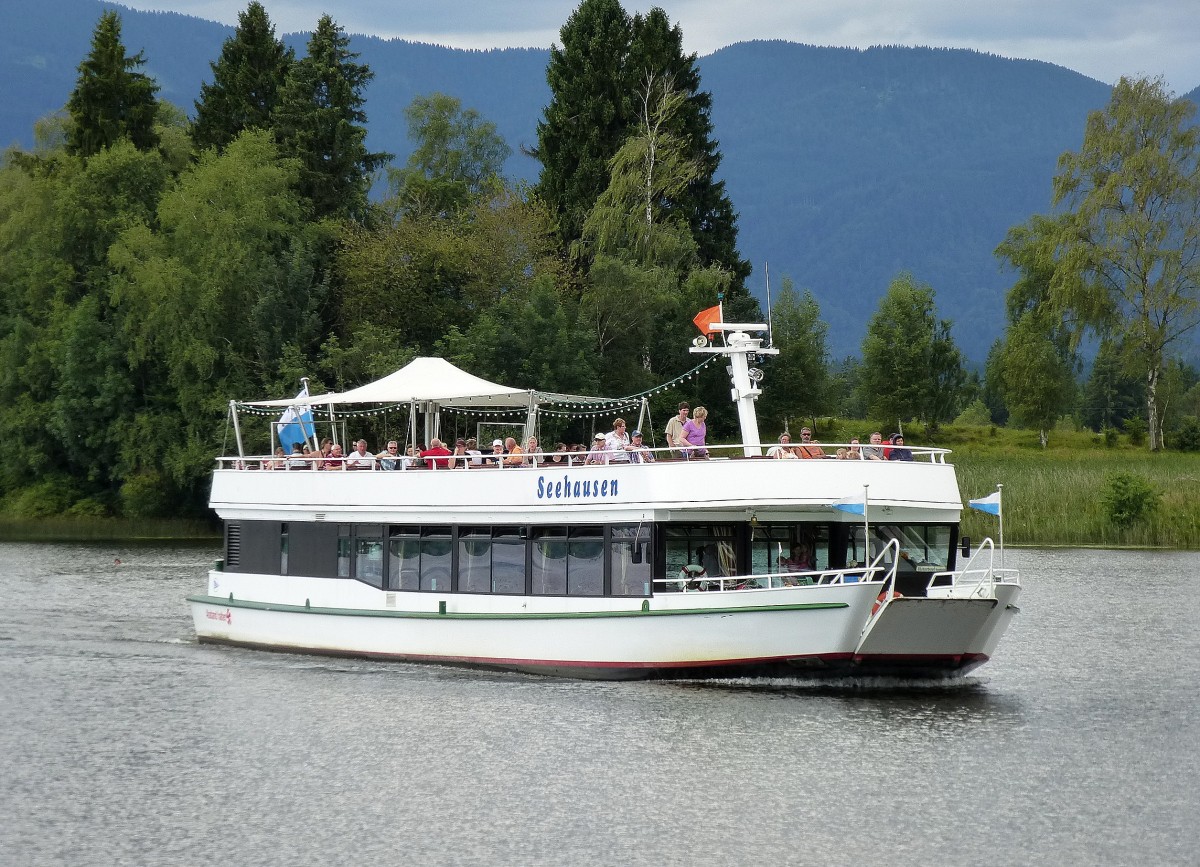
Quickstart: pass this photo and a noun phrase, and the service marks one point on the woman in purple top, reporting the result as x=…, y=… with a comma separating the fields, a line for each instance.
x=694, y=431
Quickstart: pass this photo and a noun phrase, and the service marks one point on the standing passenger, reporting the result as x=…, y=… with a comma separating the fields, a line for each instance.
x=694, y=433
x=617, y=443
x=675, y=429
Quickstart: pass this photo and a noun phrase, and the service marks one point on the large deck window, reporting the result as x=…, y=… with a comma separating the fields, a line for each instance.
x=789, y=547
x=550, y=561
x=404, y=558
x=491, y=560
x=701, y=550
x=585, y=562
x=631, y=560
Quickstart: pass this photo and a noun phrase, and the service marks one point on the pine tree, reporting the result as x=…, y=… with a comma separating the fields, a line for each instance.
x=247, y=79
x=111, y=100
x=589, y=114
x=320, y=121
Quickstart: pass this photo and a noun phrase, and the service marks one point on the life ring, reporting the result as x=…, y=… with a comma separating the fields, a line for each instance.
x=881, y=598
x=691, y=575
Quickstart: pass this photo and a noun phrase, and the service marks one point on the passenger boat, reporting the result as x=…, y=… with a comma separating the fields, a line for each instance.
x=676, y=568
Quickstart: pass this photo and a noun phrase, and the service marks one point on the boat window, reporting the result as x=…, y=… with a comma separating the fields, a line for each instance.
x=923, y=547
x=508, y=560
x=283, y=549
x=550, y=561
x=368, y=561
x=772, y=547
x=707, y=550
x=474, y=560
x=436, y=555
x=585, y=561
x=343, y=551
x=404, y=559
x=632, y=569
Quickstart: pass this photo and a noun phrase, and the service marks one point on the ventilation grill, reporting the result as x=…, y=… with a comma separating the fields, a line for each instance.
x=319, y=516
x=233, y=545
x=390, y=600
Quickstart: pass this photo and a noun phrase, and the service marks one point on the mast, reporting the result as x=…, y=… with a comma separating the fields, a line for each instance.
x=739, y=347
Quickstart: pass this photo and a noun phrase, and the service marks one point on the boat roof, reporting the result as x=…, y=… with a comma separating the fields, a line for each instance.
x=424, y=379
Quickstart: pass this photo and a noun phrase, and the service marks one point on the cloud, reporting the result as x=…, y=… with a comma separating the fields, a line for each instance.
x=1103, y=39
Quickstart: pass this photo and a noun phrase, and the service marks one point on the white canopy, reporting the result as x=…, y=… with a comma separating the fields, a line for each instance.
x=423, y=380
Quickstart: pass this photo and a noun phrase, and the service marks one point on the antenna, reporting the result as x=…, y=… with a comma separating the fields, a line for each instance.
x=770, y=332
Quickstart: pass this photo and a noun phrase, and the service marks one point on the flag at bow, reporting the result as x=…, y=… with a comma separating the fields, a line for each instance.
x=989, y=504
x=296, y=423
x=705, y=320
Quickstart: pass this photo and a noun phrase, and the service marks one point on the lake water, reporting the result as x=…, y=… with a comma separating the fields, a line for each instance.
x=122, y=741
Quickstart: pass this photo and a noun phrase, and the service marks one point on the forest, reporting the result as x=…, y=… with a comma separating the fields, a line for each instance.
x=157, y=262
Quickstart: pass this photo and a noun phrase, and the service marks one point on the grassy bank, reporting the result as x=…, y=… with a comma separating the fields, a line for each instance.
x=59, y=529
x=1057, y=498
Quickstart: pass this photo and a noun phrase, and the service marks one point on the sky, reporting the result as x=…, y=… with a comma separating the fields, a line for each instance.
x=1102, y=39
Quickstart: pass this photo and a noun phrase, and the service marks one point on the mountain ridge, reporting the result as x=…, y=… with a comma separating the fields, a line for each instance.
x=846, y=166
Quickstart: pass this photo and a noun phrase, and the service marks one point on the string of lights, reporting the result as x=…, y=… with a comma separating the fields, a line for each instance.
x=571, y=407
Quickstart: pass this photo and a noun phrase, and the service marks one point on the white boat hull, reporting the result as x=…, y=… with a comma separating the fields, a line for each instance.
x=806, y=631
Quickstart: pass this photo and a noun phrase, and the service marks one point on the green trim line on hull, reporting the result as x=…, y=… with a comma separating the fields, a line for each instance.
x=229, y=602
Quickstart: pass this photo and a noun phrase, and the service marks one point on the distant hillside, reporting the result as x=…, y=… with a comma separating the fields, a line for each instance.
x=846, y=166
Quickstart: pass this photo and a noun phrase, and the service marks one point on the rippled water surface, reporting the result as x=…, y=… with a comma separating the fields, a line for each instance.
x=122, y=741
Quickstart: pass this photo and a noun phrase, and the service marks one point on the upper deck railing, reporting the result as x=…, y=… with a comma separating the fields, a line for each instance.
x=551, y=460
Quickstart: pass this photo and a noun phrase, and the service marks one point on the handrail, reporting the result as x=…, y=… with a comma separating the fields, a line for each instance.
x=778, y=580
x=986, y=583
x=573, y=459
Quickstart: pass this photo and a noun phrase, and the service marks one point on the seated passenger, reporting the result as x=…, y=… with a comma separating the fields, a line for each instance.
x=360, y=458
x=874, y=452
x=532, y=456
x=784, y=450
x=854, y=453
x=389, y=458
x=297, y=461
x=437, y=456
x=460, y=460
x=474, y=452
x=280, y=461
x=598, y=454
x=799, y=559
x=334, y=461
x=638, y=453
x=898, y=452
x=516, y=456
x=497, y=455
x=808, y=447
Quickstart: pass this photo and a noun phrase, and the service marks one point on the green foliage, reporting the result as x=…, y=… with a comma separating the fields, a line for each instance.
x=1110, y=395
x=1187, y=436
x=247, y=79
x=144, y=495
x=52, y=494
x=797, y=384
x=1127, y=244
x=976, y=414
x=1129, y=498
x=1135, y=429
x=588, y=115
x=1036, y=378
x=111, y=100
x=458, y=160
x=319, y=121
x=910, y=365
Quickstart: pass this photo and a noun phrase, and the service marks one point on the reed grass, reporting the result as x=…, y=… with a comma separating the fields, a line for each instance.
x=1057, y=497
x=65, y=529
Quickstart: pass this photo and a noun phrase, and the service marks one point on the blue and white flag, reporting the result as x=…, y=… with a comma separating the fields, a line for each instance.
x=989, y=504
x=296, y=423
x=856, y=504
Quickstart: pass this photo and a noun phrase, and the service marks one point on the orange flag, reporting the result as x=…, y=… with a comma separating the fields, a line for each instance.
x=705, y=318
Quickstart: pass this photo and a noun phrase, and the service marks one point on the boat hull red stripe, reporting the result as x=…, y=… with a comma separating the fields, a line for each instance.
x=818, y=665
